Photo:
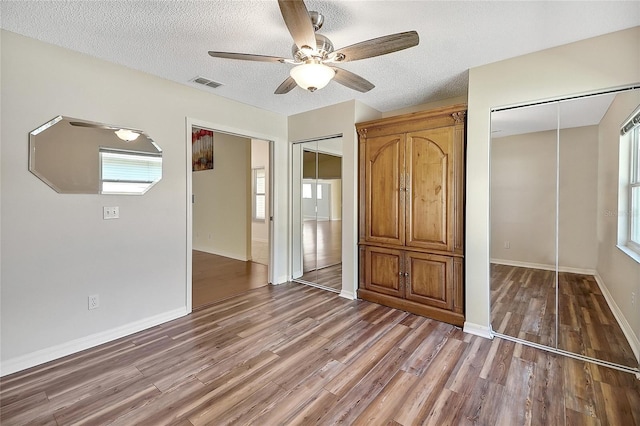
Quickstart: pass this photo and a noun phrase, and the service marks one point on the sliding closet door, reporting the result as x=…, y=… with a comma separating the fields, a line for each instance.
x=586, y=323
x=310, y=210
x=524, y=158
x=328, y=198
x=317, y=213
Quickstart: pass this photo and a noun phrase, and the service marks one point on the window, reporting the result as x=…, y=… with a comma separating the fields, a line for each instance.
x=128, y=172
x=634, y=191
x=319, y=192
x=629, y=201
x=306, y=190
x=259, y=194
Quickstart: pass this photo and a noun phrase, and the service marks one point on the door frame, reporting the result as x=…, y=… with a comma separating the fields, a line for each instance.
x=220, y=128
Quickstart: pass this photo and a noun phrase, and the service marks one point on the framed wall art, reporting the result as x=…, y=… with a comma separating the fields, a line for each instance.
x=202, y=149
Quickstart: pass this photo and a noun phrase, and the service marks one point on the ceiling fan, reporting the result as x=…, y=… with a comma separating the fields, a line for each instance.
x=314, y=55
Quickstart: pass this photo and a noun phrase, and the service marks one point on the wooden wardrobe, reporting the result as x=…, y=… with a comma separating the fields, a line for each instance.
x=411, y=222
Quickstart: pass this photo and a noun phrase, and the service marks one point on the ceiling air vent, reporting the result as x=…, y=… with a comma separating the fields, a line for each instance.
x=206, y=82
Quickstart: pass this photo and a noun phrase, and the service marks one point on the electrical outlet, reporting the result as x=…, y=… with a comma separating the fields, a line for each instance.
x=94, y=301
x=633, y=298
x=507, y=245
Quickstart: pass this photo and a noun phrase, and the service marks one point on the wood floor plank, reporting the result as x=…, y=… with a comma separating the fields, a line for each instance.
x=273, y=356
x=419, y=401
x=384, y=405
x=523, y=305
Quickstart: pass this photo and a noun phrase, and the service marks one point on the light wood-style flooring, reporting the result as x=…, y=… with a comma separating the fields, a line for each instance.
x=523, y=305
x=322, y=253
x=330, y=277
x=217, y=277
x=293, y=354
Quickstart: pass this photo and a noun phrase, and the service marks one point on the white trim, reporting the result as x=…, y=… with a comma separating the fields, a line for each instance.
x=629, y=252
x=58, y=351
x=347, y=294
x=260, y=240
x=223, y=253
x=283, y=279
x=222, y=128
x=543, y=266
x=477, y=330
x=633, y=340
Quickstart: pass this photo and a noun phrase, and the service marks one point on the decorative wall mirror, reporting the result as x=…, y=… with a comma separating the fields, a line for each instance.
x=556, y=169
x=75, y=156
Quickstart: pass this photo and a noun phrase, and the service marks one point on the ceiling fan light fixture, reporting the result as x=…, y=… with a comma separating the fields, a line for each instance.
x=312, y=75
x=127, y=135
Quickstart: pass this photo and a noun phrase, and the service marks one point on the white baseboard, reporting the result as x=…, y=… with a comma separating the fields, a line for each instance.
x=223, y=253
x=58, y=351
x=543, y=266
x=477, y=330
x=348, y=295
x=281, y=280
x=633, y=340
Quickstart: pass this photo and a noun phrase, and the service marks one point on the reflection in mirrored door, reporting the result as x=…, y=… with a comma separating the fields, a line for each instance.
x=317, y=213
x=523, y=223
x=558, y=277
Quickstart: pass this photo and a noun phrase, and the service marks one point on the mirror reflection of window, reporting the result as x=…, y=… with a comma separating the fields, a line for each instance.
x=306, y=190
x=634, y=190
x=259, y=194
x=128, y=172
x=319, y=192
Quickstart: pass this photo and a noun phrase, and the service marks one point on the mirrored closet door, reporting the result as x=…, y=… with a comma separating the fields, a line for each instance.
x=556, y=170
x=317, y=213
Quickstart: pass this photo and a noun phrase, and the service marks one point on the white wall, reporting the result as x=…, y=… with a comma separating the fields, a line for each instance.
x=260, y=159
x=222, y=208
x=56, y=249
x=603, y=62
x=523, y=199
x=334, y=120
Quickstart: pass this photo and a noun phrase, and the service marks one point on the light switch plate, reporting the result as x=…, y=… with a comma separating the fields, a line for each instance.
x=111, y=212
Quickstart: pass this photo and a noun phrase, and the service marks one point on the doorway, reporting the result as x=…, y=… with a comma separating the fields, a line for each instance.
x=231, y=207
x=317, y=213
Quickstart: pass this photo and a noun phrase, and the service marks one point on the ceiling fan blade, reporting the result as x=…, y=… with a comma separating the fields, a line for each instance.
x=286, y=86
x=352, y=81
x=377, y=46
x=296, y=17
x=246, y=57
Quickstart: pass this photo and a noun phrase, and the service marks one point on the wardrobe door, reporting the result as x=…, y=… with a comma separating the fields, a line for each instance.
x=384, y=271
x=429, y=186
x=385, y=190
x=430, y=279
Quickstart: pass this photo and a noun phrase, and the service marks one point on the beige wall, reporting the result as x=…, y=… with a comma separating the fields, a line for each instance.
x=523, y=199
x=589, y=65
x=222, y=208
x=56, y=248
x=618, y=271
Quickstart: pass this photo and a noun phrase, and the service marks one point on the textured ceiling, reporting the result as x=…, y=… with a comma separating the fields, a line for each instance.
x=170, y=39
